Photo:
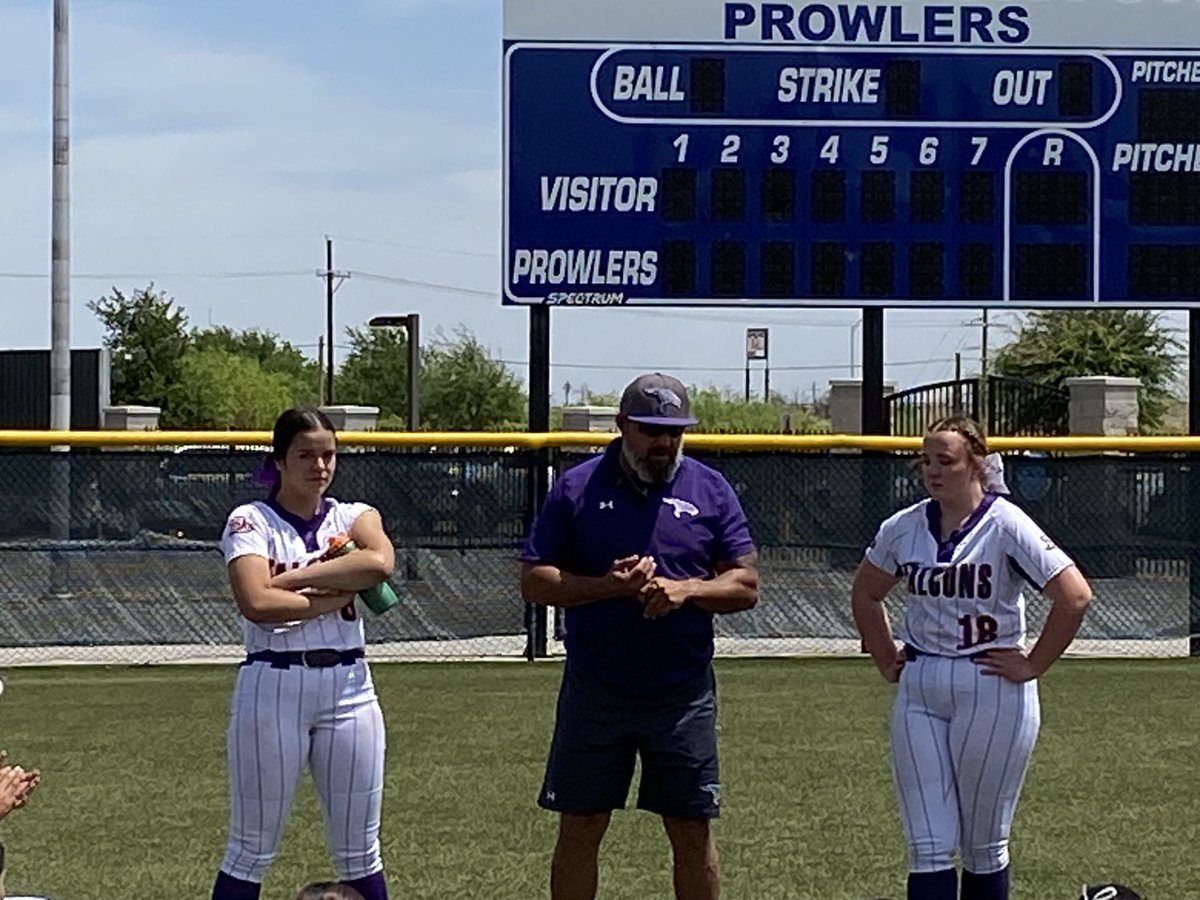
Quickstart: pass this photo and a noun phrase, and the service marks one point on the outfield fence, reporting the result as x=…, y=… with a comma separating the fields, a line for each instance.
x=108, y=542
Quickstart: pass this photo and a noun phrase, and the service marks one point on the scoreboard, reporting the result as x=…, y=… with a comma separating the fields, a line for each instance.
x=700, y=152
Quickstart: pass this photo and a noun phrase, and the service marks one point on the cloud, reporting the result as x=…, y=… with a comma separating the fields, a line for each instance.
x=194, y=156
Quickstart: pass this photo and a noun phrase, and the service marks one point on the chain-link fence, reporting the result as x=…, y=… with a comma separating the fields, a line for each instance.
x=127, y=569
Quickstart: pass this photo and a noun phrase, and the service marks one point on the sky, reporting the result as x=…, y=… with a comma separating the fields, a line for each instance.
x=216, y=144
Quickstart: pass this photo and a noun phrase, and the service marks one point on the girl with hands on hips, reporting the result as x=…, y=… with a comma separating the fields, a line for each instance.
x=967, y=693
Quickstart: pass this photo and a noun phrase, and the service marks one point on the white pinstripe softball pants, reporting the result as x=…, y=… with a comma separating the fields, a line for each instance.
x=960, y=746
x=282, y=720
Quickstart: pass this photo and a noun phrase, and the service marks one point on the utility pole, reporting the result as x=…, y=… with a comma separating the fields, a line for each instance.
x=983, y=415
x=321, y=366
x=329, y=291
x=983, y=346
x=333, y=280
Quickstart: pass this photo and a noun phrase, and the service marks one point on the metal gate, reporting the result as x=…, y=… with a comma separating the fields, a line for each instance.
x=1003, y=405
x=1019, y=407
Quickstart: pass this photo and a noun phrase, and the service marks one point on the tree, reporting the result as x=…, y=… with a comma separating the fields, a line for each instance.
x=602, y=399
x=375, y=372
x=272, y=353
x=218, y=390
x=146, y=335
x=1052, y=345
x=724, y=411
x=464, y=388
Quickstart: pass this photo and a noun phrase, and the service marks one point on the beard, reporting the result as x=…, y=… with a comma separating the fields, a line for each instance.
x=652, y=469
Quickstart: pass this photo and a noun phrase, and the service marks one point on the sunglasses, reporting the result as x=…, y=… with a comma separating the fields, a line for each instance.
x=656, y=431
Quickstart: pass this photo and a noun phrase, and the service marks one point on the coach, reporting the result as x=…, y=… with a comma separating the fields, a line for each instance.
x=640, y=546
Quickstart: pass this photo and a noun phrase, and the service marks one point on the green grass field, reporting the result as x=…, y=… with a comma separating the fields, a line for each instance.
x=134, y=798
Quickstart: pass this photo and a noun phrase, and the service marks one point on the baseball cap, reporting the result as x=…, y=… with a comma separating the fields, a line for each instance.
x=1108, y=892
x=656, y=399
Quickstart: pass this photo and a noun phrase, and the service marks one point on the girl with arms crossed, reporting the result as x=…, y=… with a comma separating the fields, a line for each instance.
x=304, y=695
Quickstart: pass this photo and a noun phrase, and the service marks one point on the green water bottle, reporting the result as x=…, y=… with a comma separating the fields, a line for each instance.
x=380, y=597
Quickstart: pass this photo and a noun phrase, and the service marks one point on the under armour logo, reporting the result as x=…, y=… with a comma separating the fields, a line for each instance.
x=665, y=397
x=606, y=504
x=681, y=507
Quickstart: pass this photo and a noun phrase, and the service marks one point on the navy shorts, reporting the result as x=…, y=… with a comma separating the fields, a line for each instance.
x=598, y=736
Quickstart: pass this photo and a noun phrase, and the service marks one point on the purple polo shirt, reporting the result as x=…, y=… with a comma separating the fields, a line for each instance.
x=595, y=514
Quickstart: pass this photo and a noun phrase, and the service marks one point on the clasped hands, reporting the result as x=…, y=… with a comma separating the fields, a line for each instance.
x=16, y=784
x=658, y=596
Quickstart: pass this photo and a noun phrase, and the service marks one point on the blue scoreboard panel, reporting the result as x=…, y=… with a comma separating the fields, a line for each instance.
x=699, y=152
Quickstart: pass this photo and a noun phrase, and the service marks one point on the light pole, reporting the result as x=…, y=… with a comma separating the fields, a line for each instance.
x=412, y=325
x=60, y=227
x=60, y=301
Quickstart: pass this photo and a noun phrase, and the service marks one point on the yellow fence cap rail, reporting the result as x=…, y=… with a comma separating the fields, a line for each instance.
x=592, y=439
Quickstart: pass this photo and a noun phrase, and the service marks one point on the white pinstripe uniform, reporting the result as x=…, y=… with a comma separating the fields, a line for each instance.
x=960, y=740
x=282, y=719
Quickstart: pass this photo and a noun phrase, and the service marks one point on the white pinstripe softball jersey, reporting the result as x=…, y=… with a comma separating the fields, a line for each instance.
x=263, y=528
x=965, y=592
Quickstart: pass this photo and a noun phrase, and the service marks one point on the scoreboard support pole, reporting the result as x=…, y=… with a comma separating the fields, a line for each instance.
x=876, y=495
x=537, y=479
x=874, y=418
x=1193, y=484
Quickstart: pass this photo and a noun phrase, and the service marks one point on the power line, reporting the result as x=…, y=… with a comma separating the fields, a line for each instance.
x=441, y=287
x=426, y=285
x=115, y=276
x=728, y=318
x=942, y=340
x=668, y=368
x=693, y=316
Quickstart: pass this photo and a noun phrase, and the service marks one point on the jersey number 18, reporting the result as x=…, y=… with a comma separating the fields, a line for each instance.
x=975, y=630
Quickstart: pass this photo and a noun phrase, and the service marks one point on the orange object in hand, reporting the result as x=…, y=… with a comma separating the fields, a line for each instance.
x=379, y=598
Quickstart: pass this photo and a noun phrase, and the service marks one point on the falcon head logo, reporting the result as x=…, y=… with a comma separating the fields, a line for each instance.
x=665, y=397
x=681, y=506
